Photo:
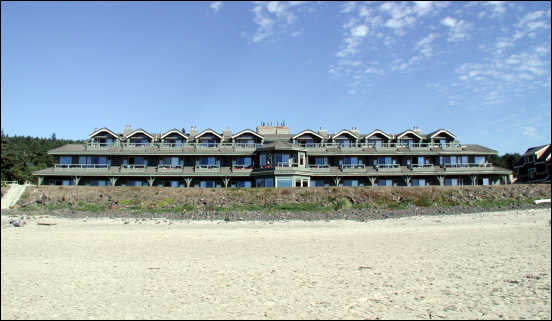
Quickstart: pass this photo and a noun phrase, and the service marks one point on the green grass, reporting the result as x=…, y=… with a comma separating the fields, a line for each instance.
x=501, y=202
x=424, y=202
x=89, y=207
x=284, y=207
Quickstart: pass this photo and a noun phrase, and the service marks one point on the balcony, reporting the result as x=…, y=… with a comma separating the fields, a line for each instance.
x=415, y=146
x=168, y=169
x=133, y=168
x=461, y=167
x=87, y=167
x=172, y=146
x=353, y=168
x=138, y=146
x=421, y=168
x=207, y=168
x=388, y=167
x=98, y=146
x=245, y=146
x=319, y=168
x=239, y=169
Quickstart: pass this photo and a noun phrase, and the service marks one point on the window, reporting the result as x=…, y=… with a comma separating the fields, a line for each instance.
x=264, y=182
x=284, y=182
x=451, y=181
x=350, y=182
x=385, y=182
x=242, y=184
x=282, y=159
x=418, y=182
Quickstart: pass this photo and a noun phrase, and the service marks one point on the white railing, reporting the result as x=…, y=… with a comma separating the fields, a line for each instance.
x=133, y=167
x=138, y=145
x=466, y=165
x=242, y=166
x=319, y=166
x=386, y=166
x=342, y=166
x=169, y=167
x=246, y=145
x=92, y=145
x=283, y=164
x=81, y=166
x=420, y=166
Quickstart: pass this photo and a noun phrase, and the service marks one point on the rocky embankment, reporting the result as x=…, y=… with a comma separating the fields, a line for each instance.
x=356, y=203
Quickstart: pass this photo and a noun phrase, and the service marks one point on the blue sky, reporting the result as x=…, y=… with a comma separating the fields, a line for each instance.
x=478, y=69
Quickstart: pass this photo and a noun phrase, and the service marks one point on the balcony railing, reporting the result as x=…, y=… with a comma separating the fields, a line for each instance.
x=420, y=167
x=387, y=167
x=170, y=168
x=133, y=168
x=466, y=165
x=81, y=166
x=94, y=146
x=207, y=168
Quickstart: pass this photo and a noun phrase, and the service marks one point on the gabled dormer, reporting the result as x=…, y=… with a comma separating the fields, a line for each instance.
x=409, y=137
x=208, y=137
x=441, y=136
x=139, y=137
x=307, y=138
x=377, y=138
x=345, y=138
x=103, y=136
x=174, y=136
x=247, y=136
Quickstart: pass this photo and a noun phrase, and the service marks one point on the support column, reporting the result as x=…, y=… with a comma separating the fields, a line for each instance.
x=407, y=179
x=337, y=180
x=441, y=180
x=226, y=180
x=372, y=180
x=188, y=181
x=473, y=179
x=151, y=180
x=76, y=179
x=113, y=180
x=40, y=180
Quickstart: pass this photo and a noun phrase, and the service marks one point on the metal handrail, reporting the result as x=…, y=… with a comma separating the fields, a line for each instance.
x=134, y=166
x=238, y=166
x=319, y=165
x=352, y=166
x=207, y=166
x=168, y=166
x=449, y=165
x=81, y=166
x=411, y=166
x=386, y=166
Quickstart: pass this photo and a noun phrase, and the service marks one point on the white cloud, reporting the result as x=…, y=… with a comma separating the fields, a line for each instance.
x=425, y=46
x=458, y=29
x=530, y=131
x=274, y=17
x=497, y=8
x=216, y=5
x=348, y=6
x=359, y=31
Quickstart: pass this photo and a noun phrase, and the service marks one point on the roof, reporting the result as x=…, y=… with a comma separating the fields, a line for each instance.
x=307, y=131
x=345, y=131
x=438, y=131
x=247, y=131
x=537, y=150
x=208, y=130
x=410, y=131
x=377, y=131
x=95, y=132
x=176, y=131
x=139, y=130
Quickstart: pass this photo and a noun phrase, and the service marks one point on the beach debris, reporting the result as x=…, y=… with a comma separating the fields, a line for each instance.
x=364, y=268
x=17, y=223
x=547, y=200
x=47, y=224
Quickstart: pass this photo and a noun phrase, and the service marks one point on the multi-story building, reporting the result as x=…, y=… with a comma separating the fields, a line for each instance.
x=271, y=156
x=535, y=165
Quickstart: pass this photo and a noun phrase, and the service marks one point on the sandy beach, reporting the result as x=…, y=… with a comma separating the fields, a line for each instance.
x=472, y=266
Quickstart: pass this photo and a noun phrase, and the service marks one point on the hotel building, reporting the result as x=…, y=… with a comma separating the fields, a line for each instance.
x=271, y=156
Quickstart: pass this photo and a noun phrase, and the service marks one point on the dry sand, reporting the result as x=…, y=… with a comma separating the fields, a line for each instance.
x=472, y=266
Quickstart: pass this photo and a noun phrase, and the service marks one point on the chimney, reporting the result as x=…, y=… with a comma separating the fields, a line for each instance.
x=127, y=130
x=417, y=130
x=355, y=131
x=183, y=131
x=323, y=132
x=193, y=131
x=227, y=133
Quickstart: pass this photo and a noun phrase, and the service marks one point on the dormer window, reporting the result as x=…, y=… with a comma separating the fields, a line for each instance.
x=442, y=137
x=344, y=138
x=307, y=138
x=409, y=138
x=247, y=138
x=139, y=137
x=208, y=138
x=173, y=138
x=377, y=138
x=103, y=137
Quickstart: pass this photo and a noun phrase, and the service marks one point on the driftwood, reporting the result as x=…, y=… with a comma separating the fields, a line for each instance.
x=41, y=223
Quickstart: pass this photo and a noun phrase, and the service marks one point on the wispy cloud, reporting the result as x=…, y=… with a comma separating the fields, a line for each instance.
x=216, y=5
x=458, y=28
x=274, y=17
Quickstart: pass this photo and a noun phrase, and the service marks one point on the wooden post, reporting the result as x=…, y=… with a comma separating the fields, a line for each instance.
x=407, y=179
x=441, y=180
x=76, y=179
x=151, y=180
x=113, y=180
x=473, y=179
x=226, y=180
x=188, y=181
x=40, y=180
x=337, y=180
x=372, y=180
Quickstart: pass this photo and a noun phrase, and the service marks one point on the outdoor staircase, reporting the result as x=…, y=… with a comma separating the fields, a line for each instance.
x=12, y=195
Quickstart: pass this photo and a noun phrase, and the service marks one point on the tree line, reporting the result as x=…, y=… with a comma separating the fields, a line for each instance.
x=21, y=155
